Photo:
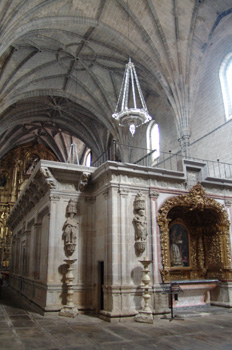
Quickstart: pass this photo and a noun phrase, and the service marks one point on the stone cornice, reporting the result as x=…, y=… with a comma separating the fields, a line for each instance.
x=134, y=170
x=46, y=177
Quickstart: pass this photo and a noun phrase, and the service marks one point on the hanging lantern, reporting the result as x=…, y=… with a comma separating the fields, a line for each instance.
x=131, y=116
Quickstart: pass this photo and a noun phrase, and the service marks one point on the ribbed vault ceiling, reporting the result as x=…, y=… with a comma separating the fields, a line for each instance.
x=62, y=63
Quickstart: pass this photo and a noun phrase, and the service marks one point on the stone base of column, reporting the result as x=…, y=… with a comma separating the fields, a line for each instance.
x=144, y=317
x=69, y=311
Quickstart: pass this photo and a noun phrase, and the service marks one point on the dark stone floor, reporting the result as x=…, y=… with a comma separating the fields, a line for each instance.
x=21, y=327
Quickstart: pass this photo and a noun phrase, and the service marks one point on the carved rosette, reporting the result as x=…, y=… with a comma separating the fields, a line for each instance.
x=217, y=257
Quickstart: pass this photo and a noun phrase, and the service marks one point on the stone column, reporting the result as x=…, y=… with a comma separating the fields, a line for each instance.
x=184, y=140
x=124, y=243
x=70, y=309
x=145, y=315
x=160, y=300
x=90, y=253
x=112, y=266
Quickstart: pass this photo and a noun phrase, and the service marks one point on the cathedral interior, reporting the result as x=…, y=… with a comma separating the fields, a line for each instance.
x=62, y=65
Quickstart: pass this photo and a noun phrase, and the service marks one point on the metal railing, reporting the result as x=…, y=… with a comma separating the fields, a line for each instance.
x=168, y=161
x=102, y=159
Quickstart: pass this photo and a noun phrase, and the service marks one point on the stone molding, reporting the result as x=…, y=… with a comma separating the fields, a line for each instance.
x=46, y=177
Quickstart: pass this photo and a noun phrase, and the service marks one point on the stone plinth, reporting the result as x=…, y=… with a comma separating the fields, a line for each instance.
x=222, y=294
x=195, y=293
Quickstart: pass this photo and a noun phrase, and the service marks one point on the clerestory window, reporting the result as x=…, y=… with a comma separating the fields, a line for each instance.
x=225, y=75
x=153, y=139
x=87, y=158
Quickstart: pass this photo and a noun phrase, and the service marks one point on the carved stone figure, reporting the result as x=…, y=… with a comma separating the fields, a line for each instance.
x=71, y=228
x=140, y=221
x=84, y=182
x=176, y=258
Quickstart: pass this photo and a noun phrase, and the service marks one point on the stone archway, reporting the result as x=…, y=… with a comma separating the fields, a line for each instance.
x=207, y=225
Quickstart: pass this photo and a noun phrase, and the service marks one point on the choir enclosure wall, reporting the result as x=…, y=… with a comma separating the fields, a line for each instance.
x=108, y=248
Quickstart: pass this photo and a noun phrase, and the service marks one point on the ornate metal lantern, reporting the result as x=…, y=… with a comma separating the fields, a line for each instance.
x=133, y=116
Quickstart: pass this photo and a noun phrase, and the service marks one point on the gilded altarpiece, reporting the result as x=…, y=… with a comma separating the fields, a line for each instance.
x=195, y=240
x=15, y=169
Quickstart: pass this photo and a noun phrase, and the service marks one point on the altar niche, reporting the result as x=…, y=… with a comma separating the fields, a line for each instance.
x=179, y=245
x=195, y=241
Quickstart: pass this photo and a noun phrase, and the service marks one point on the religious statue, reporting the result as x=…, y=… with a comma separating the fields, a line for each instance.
x=140, y=224
x=71, y=227
x=176, y=258
x=179, y=249
x=70, y=232
x=140, y=221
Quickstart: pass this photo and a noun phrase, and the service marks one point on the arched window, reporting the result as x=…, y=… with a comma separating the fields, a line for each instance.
x=88, y=158
x=225, y=75
x=153, y=139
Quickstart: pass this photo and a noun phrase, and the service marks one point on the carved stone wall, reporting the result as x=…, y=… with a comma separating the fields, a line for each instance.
x=107, y=271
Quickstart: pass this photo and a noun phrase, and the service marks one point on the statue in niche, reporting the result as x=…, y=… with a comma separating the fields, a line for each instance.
x=71, y=228
x=140, y=223
x=179, y=249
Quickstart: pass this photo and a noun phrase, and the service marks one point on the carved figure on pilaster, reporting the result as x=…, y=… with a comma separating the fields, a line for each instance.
x=70, y=232
x=140, y=223
x=71, y=228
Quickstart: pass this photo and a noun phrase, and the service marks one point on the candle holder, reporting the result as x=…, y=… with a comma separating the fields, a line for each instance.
x=145, y=315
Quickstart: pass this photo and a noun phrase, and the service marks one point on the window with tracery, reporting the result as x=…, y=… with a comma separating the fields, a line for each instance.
x=225, y=75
